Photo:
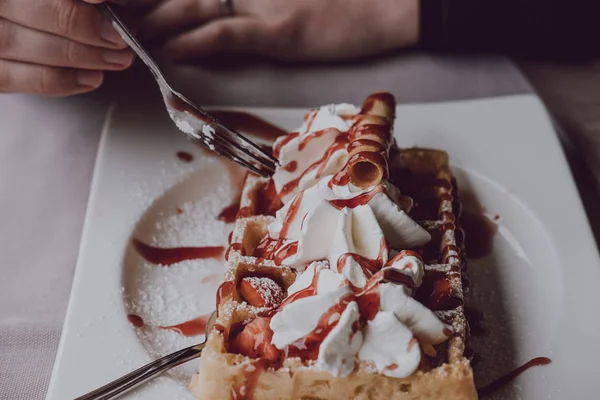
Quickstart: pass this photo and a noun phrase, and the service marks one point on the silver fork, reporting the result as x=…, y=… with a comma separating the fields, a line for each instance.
x=143, y=374
x=198, y=124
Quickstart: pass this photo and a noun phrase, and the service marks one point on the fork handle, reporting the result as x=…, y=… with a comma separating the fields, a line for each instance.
x=142, y=374
x=131, y=40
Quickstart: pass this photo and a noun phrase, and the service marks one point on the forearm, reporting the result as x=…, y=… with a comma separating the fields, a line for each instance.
x=555, y=28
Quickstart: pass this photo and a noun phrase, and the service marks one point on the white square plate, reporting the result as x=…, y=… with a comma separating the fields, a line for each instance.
x=537, y=289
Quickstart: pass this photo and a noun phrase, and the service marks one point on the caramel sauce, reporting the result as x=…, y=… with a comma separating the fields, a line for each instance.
x=170, y=256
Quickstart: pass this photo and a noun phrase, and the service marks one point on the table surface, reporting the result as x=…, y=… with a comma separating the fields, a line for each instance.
x=48, y=148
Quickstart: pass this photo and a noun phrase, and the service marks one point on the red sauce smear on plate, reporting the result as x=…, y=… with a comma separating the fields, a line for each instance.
x=169, y=256
x=193, y=327
x=504, y=380
x=185, y=156
x=228, y=213
x=135, y=320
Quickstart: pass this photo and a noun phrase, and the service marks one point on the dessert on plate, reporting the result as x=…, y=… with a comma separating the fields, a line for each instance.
x=345, y=271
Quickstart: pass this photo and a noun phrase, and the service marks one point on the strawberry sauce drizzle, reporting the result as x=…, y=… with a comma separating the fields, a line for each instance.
x=224, y=290
x=170, y=256
x=340, y=142
x=291, y=214
x=307, y=348
x=368, y=266
x=193, y=327
x=229, y=213
x=292, y=166
x=135, y=320
x=305, y=140
x=504, y=380
x=234, y=247
x=282, y=142
x=285, y=251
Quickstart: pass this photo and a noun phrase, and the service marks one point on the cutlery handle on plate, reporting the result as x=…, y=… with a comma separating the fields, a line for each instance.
x=142, y=374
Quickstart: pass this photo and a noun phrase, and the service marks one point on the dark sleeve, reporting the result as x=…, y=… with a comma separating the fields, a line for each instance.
x=529, y=28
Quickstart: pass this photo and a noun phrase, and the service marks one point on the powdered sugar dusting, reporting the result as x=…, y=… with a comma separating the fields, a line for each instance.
x=269, y=290
x=185, y=215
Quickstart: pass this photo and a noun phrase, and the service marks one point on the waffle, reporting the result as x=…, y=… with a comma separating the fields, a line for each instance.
x=422, y=174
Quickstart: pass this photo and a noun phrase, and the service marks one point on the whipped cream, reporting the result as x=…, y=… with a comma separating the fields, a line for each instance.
x=312, y=149
x=347, y=237
x=329, y=222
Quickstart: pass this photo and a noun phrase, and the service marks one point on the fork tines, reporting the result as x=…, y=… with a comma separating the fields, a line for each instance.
x=239, y=149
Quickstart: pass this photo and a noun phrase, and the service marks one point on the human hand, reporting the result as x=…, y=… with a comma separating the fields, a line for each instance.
x=309, y=30
x=56, y=47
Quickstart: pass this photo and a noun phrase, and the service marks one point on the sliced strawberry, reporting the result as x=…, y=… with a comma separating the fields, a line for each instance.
x=255, y=340
x=261, y=292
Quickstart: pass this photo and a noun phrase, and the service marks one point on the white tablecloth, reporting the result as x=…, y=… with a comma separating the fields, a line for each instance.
x=47, y=152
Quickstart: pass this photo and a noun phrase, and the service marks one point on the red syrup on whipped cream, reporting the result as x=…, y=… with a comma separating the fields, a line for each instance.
x=368, y=266
x=356, y=201
x=340, y=142
x=169, y=256
x=292, y=166
x=291, y=214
